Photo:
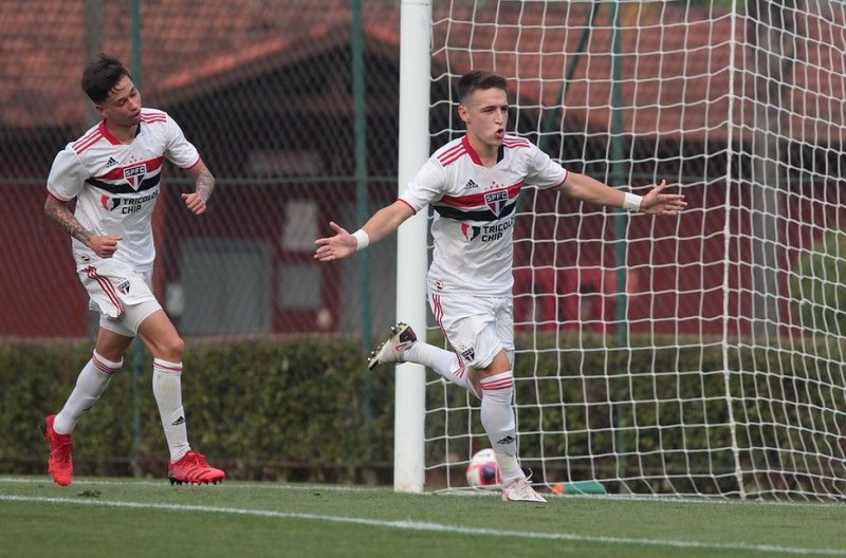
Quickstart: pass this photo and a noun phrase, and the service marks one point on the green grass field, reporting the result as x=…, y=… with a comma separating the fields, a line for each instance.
x=109, y=517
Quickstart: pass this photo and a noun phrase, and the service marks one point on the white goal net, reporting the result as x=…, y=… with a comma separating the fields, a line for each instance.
x=698, y=355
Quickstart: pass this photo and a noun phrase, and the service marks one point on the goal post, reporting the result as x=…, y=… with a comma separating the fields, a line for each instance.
x=696, y=355
x=412, y=262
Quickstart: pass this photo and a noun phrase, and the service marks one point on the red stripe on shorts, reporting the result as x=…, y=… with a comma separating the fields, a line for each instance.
x=107, y=287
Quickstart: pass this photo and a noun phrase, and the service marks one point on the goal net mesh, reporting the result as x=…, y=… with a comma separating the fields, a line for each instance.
x=691, y=355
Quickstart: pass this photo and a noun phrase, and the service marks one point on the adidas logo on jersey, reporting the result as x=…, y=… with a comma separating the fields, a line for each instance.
x=470, y=185
x=111, y=162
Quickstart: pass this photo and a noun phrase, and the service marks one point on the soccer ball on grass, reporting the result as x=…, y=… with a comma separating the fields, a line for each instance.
x=483, y=469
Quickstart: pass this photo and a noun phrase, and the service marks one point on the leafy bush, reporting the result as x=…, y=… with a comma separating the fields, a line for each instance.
x=293, y=409
x=263, y=408
x=819, y=286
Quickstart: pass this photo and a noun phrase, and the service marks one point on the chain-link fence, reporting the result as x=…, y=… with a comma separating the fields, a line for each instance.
x=298, y=120
x=265, y=90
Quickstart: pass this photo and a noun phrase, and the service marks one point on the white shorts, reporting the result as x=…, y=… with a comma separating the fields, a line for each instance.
x=477, y=327
x=121, y=295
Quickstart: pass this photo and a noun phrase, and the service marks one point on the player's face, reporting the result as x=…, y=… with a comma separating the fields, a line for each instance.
x=486, y=115
x=123, y=106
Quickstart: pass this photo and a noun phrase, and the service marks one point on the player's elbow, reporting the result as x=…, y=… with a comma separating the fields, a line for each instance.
x=402, y=211
x=50, y=205
x=569, y=188
x=393, y=216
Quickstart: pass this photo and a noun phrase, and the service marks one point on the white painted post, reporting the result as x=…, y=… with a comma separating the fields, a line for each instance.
x=412, y=260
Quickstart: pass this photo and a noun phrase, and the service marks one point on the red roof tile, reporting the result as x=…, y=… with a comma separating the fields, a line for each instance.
x=676, y=66
x=675, y=63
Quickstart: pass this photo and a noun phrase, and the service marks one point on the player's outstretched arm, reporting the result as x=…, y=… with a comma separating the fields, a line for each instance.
x=203, y=187
x=58, y=212
x=590, y=190
x=384, y=222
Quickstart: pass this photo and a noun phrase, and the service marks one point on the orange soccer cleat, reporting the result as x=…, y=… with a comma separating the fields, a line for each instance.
x=60, y=465
x=193, y=469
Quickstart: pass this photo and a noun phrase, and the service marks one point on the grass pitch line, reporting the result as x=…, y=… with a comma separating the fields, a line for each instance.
x=435, y=527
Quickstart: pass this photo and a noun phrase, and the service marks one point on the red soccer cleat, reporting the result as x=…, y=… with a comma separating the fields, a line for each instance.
x=193, y=469
x=60, y=465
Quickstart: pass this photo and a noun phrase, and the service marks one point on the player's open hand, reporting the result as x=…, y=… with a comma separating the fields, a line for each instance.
x=335, y=247
x=657, y=203
x=104, y=246
x=195, y=203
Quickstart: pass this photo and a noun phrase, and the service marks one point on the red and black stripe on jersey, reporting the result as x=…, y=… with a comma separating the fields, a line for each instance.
x=473, y=207
x=478, y=215
x=146, y=184
x=106, y=181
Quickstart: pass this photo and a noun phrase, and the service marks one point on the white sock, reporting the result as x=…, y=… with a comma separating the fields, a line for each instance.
x=445, y=363
x=499, y=423
x=167, y=388
x=90, y=385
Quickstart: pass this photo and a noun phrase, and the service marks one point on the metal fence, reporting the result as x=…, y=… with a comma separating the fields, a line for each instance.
x=293, y=106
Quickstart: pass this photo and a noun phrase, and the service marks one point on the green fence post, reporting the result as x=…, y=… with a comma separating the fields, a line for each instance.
x=135, y=378
x=618, y=177
x=362, y=210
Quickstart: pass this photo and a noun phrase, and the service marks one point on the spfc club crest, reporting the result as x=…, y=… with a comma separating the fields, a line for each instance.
x=496, y=201
x=135, y=175
x=123, y=287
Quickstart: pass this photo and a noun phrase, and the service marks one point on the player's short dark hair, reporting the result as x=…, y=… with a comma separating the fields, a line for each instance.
x=479, y=79
x=101, y=76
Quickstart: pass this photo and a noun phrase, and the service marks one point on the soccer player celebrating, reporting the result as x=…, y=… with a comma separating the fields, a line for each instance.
x=473, y=183
x=114, y=171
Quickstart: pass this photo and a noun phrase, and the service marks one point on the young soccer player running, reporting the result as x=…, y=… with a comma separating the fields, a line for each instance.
x=473, y=183
x=113, y=171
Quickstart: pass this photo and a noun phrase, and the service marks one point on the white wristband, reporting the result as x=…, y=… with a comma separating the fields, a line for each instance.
x=632, y=202
x=361, y=238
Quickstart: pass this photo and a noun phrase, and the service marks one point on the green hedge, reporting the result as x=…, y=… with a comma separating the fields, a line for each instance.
x=818, y=285
x=656, y=417
x=262, y=408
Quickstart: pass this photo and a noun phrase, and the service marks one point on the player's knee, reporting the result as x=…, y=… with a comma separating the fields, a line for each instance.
x=177, y=346
x=499, y=364
x=111, y=355
x=172, y=348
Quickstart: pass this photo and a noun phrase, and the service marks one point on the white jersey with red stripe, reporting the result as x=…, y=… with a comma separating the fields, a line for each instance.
x=473, y=227
x=116, y=185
